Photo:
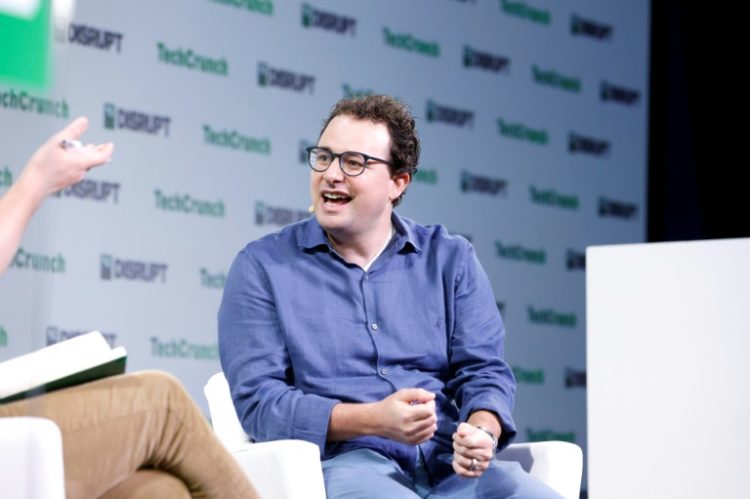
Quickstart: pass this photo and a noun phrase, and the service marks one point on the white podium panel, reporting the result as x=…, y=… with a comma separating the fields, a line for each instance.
x=668, y=347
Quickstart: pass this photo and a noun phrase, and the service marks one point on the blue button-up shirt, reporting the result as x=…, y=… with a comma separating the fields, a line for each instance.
x=301, y=330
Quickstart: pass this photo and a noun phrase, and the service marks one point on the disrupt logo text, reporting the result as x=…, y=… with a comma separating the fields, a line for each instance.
x=483, y=185
x=132, y=270
x=315, y=18
x=575, y=378
x=617, y=209
x=89, y=36
x=137, y=121
x=450, y=115
x=618, y=94
x=269, y=76
x=56, y=335
x=585, y=27
x=587, y=145
x=474, y=58
x=277, y=215
x=96, y=190
x=575, y=260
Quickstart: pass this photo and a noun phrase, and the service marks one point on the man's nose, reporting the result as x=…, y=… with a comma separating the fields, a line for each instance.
x=334, y=173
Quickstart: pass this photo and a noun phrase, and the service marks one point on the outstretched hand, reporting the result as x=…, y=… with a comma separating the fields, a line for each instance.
x=53, y=167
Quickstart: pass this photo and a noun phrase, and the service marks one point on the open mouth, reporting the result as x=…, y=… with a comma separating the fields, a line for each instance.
x=335, y=199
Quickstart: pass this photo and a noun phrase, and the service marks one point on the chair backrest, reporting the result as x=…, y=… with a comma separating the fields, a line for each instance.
x=223, y=415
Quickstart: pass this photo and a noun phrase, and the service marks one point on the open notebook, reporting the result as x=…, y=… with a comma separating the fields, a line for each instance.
x=71, y=362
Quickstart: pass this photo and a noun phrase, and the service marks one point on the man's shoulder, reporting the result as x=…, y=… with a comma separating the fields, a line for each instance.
x=281, y=242
x=434, y=237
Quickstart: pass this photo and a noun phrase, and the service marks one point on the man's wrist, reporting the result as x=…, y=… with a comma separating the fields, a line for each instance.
x=489, y=434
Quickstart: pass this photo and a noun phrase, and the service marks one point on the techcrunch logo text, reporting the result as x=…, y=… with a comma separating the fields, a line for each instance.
x=3, y=337
x=526, y=12
x=212, y=281
x=24, y=260
x=529, y=376
x=575, y=378
x=350, y=91
x=89, y=36
x=233, y=139
x=425, y=176
x=315, y=18
x=269, y=76
x=112, y=268
x=277, y=215
x=533, y=435
x=260, y=6
x=580, y=26
x=575, y=260
x=6, y=177
x=137, y=121
x=520, y=253
x=183, y=349
x=449, y=115
x=189, y=59
x=581, y=144
x=551, y=317
x=56, y=335
x=550, y=197
x=185, y=203
x=617, y=209
x=22, y=101
x=410, y=43
x=552, y=78
x=474, y=58
x=520, y=131
x=483, y=185
x=619, y=95
x=95, y=190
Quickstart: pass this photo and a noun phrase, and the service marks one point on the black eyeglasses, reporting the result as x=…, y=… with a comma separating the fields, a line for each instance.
x=351, y=163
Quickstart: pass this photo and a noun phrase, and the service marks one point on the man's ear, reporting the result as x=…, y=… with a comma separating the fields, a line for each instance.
x=400, y=182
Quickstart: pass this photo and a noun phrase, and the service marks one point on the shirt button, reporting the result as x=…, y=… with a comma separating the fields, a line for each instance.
x=384, y=371
x=374, y=326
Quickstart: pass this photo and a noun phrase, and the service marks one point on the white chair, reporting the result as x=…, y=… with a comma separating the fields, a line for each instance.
x=290, y=469
x=31, y=459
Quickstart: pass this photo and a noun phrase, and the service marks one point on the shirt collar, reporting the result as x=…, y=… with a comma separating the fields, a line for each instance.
x=313, y=236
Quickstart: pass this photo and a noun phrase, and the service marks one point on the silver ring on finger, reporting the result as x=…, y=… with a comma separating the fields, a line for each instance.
x=473, y=464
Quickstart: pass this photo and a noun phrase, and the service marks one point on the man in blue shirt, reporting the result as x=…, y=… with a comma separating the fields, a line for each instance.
x=372, y=336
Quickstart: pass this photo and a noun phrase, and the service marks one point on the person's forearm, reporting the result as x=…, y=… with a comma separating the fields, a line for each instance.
x=16, y=208
x=351, y=420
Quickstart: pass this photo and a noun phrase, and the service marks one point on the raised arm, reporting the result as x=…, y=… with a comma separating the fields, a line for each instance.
x=51, y=168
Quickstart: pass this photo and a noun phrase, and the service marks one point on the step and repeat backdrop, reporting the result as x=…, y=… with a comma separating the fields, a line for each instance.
x=532, y=114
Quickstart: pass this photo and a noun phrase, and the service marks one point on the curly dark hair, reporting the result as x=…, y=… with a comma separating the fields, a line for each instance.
x=401, y=126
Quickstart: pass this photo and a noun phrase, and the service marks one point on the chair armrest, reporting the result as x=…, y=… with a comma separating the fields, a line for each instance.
x=31, y=459
x=283, y=469
x=557, y=464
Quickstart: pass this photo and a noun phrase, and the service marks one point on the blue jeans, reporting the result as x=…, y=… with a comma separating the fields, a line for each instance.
x=364, y=473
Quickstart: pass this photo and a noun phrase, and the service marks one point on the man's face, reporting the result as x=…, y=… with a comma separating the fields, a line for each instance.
x=348, y=207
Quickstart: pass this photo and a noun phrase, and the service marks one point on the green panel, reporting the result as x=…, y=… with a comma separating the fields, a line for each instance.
x=25, y=48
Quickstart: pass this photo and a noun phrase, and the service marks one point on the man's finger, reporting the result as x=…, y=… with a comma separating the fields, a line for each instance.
x=416, y=395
